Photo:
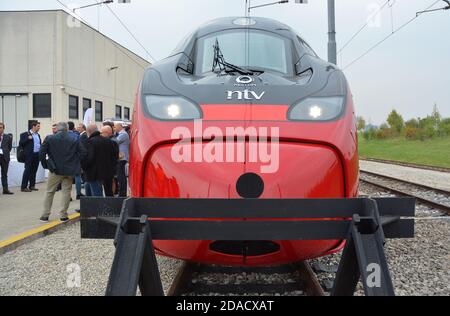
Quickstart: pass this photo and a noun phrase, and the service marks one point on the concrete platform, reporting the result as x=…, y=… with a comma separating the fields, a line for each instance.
x=21, y=212
x=435, y=179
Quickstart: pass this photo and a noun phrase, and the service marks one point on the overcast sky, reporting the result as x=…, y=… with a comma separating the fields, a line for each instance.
x=409, y=72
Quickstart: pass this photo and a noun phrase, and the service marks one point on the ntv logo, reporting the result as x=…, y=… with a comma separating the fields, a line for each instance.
x=245, y=95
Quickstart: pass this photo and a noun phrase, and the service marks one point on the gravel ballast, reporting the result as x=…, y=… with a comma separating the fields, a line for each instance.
x=40, y=267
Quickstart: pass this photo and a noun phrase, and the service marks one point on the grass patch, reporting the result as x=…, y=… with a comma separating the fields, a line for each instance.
x=433, y=152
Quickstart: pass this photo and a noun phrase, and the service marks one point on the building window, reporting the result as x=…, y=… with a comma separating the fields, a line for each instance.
x=126, y=113
x=73, y=107
x=42, y=105
x=87, y=104
x=98, y=111
x=118, y=112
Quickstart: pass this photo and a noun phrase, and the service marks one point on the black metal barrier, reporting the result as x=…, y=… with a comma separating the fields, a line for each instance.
x=135, y=222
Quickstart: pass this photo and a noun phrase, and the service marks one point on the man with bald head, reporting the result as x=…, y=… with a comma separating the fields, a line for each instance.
x=102, y=155
x=123, y=140
x=106, y=131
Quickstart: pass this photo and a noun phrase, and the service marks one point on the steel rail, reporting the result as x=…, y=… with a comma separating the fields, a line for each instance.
x=406, y=164
x=428, y=202
x=420, y=185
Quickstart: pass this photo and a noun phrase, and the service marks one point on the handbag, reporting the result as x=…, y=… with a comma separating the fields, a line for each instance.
x=51, y=166
x=21, y=154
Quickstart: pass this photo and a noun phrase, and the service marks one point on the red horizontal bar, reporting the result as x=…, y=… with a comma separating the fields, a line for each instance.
x=243, y=112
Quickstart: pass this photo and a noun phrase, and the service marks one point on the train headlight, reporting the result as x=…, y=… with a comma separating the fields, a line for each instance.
x=317, y=109
x=174, y=111
x=171, y=108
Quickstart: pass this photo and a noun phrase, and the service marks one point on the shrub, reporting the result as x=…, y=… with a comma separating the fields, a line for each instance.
x=385, y=133
x=444, y=127
x=370, y=134
x=412, y=133
x=427, y=132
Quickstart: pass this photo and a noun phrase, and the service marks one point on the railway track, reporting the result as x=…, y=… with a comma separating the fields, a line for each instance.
x=197, y=280
x=423, y=193
x=411, y=165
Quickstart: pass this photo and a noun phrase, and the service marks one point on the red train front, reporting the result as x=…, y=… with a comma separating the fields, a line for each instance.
x=244, y=108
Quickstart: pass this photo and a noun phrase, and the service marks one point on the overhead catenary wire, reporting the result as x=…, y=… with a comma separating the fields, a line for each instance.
x=363, y=27
x=387, y=37
x=128, y=30
x=71, y=12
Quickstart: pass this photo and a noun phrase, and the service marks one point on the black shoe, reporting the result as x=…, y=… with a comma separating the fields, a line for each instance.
x=64, y=219
x=6, y=192
x=80, y=196
x=44, y=219
x=26, y=190
x=34, y=189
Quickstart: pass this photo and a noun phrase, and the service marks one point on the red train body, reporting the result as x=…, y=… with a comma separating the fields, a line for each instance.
x=317, y=159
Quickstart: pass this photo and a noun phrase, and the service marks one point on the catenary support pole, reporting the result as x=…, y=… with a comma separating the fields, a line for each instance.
x=332, y=50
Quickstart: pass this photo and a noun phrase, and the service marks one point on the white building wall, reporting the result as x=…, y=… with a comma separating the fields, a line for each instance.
x=46, y=52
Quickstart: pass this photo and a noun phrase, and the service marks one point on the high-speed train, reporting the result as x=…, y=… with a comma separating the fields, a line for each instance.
x=244, y=100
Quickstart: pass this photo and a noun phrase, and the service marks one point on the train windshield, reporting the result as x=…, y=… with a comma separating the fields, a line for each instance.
x=248, y=49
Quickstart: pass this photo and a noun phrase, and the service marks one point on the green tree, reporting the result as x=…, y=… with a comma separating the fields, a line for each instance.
x=426, y=122
x=396, y=121
x=427, y=128
x=361, y=123
x=412, y=123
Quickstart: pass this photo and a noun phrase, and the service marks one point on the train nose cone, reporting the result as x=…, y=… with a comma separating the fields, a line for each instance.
x=250, y=186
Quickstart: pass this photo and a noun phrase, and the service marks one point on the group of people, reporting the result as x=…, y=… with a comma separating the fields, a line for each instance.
x=72, y=155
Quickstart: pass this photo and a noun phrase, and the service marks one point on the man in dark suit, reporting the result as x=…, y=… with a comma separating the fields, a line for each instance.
x=31, y=143
x=83, y=134
x=5, y=151
x=101, y=160
x=83, y=140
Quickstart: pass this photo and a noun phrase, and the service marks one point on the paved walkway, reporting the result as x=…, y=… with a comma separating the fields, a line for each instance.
x=21, y=212
x=435, y=179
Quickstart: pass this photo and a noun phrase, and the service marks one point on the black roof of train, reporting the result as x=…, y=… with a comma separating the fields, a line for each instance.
x=230, y=23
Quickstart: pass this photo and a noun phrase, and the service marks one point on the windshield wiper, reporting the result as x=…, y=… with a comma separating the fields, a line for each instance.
x=219, y=60
x=256, y=70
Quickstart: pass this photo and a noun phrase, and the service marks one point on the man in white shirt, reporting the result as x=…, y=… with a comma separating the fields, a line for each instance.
x=31, y=143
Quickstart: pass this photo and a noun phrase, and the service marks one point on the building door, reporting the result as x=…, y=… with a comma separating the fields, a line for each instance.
x=14, y=113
